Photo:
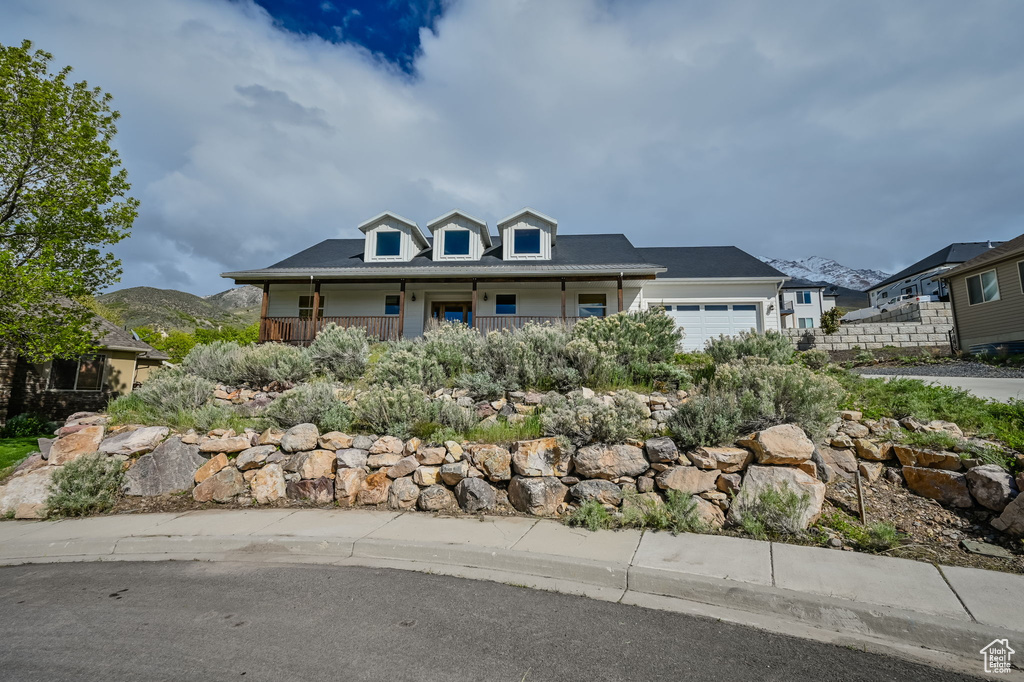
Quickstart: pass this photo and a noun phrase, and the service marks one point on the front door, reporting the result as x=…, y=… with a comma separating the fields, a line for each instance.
x=452, y=311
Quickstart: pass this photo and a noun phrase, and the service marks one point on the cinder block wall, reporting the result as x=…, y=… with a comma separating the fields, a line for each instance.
x=871, y=336
x=930, y=313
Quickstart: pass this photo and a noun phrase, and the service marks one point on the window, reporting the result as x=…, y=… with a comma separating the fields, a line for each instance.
x=456, y=242
x=687, y=308
x=389, y=243
x=306, y=308
x=983, y=288
x=716, y=307
x=883, y=294
x=803, y=297
x=505, y=304
x=1020, y=275
x=907, y=291
x=592, y=305
x=806, y=322
x=391, y=305
x=526, y=241
x=744, y=307
x=84, y=374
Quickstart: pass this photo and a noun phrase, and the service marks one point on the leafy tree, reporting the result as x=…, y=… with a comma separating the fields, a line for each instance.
x=62, y=202
x=830, y=320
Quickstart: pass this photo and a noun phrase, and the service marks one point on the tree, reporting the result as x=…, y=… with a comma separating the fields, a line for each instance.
x=62, y=202
x=830, y=320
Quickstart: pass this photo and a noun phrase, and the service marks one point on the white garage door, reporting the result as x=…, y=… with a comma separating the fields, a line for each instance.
x=708, y=321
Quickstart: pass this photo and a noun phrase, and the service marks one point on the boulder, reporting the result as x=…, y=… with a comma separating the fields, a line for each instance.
x=68, y=448
x=495, y=462
x=914, y=457
x=661, y=450
x=851, y=415
x=403, y=467
x=475, y=494
x=761, y=478
x=949, y=427
x=317, y=464
x=212, y=466
x=782, y=444
x=387, y=445
x=223, y=486
x=383, y=459
x=598, y=489
x=412, y=446
x=871, y=451
x=454, y=449
x=540, y=457
x=948, y=487
x=225, y=445
x=729, y=460
x=374, y=489
x=431, y=456
x=350, y=458
x=335, y=440
x=403, y=493
x=871, y=470
x=822, y=470
x=538, y=496
x=28, y=488
x=687, y=479
x=314, y=490
x=453, y=472
x=44, y=445
x=254, y=458
x=854, y=430
x=1011, y=521
x=709, y=514
x=268, y=484
x=436, y=498
x=137, y=442
x=33, y=461
x=609, y=461
x=170, y=468
x=300, y=438
x=839, y=460
x=347, y=484
x=363, y=442
x=427, y=476
x=729, y=483
x=991, y=486
x=841, y=441
x=271, y=437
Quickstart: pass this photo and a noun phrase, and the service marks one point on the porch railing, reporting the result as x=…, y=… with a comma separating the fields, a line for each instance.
x=302, y=331
x=493, y=323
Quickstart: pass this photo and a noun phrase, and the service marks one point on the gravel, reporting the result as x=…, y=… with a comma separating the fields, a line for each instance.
x=951, y=369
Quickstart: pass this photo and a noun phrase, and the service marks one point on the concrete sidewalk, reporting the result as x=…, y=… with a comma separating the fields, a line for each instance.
x=983, y=387
x=914, y=609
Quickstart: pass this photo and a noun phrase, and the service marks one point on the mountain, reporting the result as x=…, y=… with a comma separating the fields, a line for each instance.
x=818, y=269
x=168, y=309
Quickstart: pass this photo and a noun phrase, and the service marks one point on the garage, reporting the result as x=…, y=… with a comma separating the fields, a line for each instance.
x=702, y=322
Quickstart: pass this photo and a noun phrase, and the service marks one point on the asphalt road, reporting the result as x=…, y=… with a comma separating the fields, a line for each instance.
x=225, y=621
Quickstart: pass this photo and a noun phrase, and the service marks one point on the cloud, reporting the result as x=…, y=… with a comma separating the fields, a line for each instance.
x=872, y=132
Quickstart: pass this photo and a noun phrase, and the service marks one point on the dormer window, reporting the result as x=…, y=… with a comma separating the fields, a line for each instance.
x=390, y=238
x=527, y=241
x=456, y=242
x=459, y=236
x=389, y=244
x=527, y=235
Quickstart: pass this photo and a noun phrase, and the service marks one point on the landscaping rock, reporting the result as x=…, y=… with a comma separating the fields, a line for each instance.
x=841, y=441
x=223, y=486
x=383, y=459
x=453, y=472
x=374, y=489
x=212, y=466
x=851, y=415
x=709, y=514
x=729, y=483
x=431, y=456
x=271, y=437
x=854, y=430
x=427, y=476
x=540, y=457
x=403, y=467
x=454, y=449
x=254, y=458
x=29, y=488
x=871, y=470
x=69, y=448
x=537, y=496
x=363, y=442
x=948, y=487
x=300, y=438
x=412, y=446
x=436, y=498
x=335, y=440
x=495, y=462
x=170, y=468
x=603, y=491
x=33, y=461
x=137, y=442
x=729, y=460
x=44, y=445
x=662, y=450
x=268, y=484
x=317, y=491
x=225, y=445
x=475, y=494
x=347, y=484
x=913, y=457
x=403, y=494
x=317, y=464
x=782, y=444
x=823, y=471
x=991, y=486
x=839, y=460
x=609, y=461
x=761, y=478
x=1011, y=521
x=687, y=479
x=387, y=445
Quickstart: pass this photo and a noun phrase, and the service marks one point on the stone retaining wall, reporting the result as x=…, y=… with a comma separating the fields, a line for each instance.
x=871, y=336
x=929, y=313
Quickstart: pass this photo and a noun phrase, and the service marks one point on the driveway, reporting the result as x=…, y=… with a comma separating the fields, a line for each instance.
x=983, y=387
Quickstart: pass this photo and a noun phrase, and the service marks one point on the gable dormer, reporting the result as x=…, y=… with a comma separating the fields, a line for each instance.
x=527, y=235
x=390, y=238
x=459, y=236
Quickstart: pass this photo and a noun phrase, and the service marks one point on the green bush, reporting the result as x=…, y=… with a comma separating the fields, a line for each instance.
x=874, y=537
x=169, y=391
x=273, y=362
x=26, y=425
x=339, y=352
x=591, y=515
x=450, y=414
x=677, y=514
x=525, y=358
x=86, y=485
x=815, y=359
x=480, y=385
x=392, y=410
x=313, y=403
x=772, y=513
x=830, y=320
x=455, y=346
x=217, y=361
x=772, y=346
x=407, y=363
x=712, y=418
x=625, y=340
x=585, y=420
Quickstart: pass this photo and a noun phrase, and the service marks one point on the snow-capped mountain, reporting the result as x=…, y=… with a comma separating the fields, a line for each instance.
x=818, y=269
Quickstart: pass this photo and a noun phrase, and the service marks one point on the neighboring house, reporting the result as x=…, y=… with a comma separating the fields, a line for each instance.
x=396, y=279
x=924, y=278
x=57, y=388
x=987, y=297
x=802, y=302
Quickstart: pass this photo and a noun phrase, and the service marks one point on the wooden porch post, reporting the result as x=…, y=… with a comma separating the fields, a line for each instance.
x=620, y=294
x=563, y=300
x=315, y=317
x=264, y=307
x=473, y=306
x=401, y=310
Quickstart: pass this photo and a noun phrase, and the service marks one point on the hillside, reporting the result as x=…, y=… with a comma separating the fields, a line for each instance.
x=818, y=269
x=169, y=309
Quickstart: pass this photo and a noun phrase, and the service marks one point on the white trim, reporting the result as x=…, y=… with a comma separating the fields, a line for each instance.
x=978, y=275
x=365, y=226
x=485, y=233
x=523, y=211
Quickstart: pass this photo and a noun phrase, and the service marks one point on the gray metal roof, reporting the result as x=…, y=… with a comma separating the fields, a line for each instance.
x=708, y=261
x=960, y=252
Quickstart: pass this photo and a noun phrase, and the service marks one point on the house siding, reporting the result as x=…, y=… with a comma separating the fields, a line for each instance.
x=994, y=322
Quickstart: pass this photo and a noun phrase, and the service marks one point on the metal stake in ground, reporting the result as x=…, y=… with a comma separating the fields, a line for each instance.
x=860, y=499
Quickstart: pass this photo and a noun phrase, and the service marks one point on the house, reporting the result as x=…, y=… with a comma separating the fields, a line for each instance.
x=802, y=302
x=987, y=298
x=59, y=387
x=397, y=278
x=923, y=278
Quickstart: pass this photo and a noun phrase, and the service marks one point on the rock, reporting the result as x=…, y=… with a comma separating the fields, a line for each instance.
x=761, y=478
x=69, y=448
x=412, y=446
x=475, y=494
x=661, y=450
x=271, y=437
x=854, y=430
x=225, y=445
x=540, y=457
x=300, y=438
x=911, y=424
x=387, y=445
x=603, y=491
x=28, y=488
x=268, y=484
x=426, y=476
x=44, y=445
x=453, y=472
x=403, y=467
x=948, y=487
x=494, y=461
x=642, y=501
x=872, y=452
x=383, y=459
x=839, y=460
x=809, y=468
x=537, y=496
x=985, y=549
x=644, y=484
x=431, y=456
x=137, y=442
x=709, y=514
x=403, y=494
x=1011, y=521
x=687, y=479
x=609, y=461
x=28, y=511
x=212, y=466
x=454, y=449
x=871, y=470
x=436, y=498
x=729, y=483
x=347, y=484
x=254, y=458
x=913, y=457
x=851, y=415
x=335, y=440
x=363, y=442
x=729, y=460
x=374, y=489
x=991, y=486
x=33, y=461
x=223, y=486
x=782, y=444
x=841, y=441
x=350, y=458
x=317, y=464
x=949, y=427
x=823, y=472
x=170, y=468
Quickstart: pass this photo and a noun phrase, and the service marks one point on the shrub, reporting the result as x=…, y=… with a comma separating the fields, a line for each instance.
x=480, y=385
x=170, y=391
x=504, y=431
x=339, y=352
x=406, y=363
x=874, y=537
x=830, y=320
x=772, y=346
x=451, y=415
x=455, y=346
x=864, y=357
x=707, y=419
x=392, y=411
x=646, y=336
x=526, y=357
x=677, y=514
x=584, y=420
x=591, y=515
x=313, y=403
x=217, y=361
x=815, y=359
x=25, y=426
x=273, y=362
x=86, y=485
x=774, y=512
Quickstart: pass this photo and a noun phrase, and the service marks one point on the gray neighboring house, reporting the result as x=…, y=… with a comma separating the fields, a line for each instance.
x=924, y=278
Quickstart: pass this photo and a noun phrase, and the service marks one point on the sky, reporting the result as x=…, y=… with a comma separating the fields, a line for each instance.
x=873, y=132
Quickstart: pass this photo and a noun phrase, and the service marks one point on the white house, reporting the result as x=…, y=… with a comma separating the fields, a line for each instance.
x=802, y=303
x=397, y=278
